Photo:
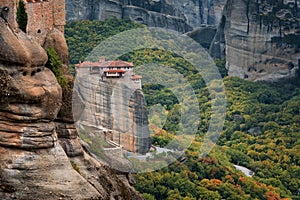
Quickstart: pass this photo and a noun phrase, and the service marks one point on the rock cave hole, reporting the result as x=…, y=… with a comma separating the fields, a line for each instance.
x=139, y=19
x=32, y=73
x=251, y=69
x=39, y=31
x=291, y=66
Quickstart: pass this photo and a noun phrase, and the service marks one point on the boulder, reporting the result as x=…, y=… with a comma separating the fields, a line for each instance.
x=17, y=48
x=55, y=39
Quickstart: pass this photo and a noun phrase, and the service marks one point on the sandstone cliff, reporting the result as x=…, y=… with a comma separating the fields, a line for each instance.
x=179, y=15
x=116, y=111
x=260, y=39
x=33, y=164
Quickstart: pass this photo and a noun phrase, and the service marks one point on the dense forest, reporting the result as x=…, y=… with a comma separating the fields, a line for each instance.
x=261, y=129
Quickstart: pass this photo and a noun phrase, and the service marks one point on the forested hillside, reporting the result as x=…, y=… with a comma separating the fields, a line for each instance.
x=261, y=130
x=83, y=36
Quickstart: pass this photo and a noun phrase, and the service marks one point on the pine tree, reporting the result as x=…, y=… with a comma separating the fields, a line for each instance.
x=22, y=17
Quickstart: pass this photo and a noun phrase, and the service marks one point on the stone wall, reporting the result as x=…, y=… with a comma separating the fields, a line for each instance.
x=40, y=19
x=59, y=14
x=43, y=16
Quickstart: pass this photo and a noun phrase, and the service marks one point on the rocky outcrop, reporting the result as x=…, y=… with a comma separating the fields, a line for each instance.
x=261, y=39
x=116, y=111
x=179, y=15
x=50, y=174
x=41, y=174
x=33, y=164
x=155, y=19
x=20, y=52
x=56, y=39
x=64, y=123
x=199, y=12
x=203, y=35
x=218, y=45
x=28, y=88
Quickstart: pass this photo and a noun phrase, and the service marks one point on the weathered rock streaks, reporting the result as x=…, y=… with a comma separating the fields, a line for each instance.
x=27, y=91
x=259, y=44
x=34, y=126
x=259, y=39
x=179, y=15
x=117, y=110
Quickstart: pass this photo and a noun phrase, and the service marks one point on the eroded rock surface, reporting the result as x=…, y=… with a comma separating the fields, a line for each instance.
x=260, y=39
x=30, y=95
x=117, y=111
x=33, y=164
x=179, y=15
x=56, y=40
x=41, y=174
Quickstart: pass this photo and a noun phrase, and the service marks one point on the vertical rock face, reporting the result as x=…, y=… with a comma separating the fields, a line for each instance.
x=30, y=100
x=116, y=110
x=27, y=90
x=261, y=37
x=199, y=12
x=33, y=164
x=179, y=15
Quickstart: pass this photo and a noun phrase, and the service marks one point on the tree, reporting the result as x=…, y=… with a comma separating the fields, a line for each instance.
x=22, y=17
x=55, y=65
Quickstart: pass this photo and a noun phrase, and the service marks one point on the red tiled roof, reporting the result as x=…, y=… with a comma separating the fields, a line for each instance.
x=115, y=71
x=117, y=63
x=136, y=77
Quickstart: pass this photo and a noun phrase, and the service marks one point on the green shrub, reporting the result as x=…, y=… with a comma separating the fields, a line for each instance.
x=221, y=65
x=55, y=65
x=75, y=166
x=22, y=17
